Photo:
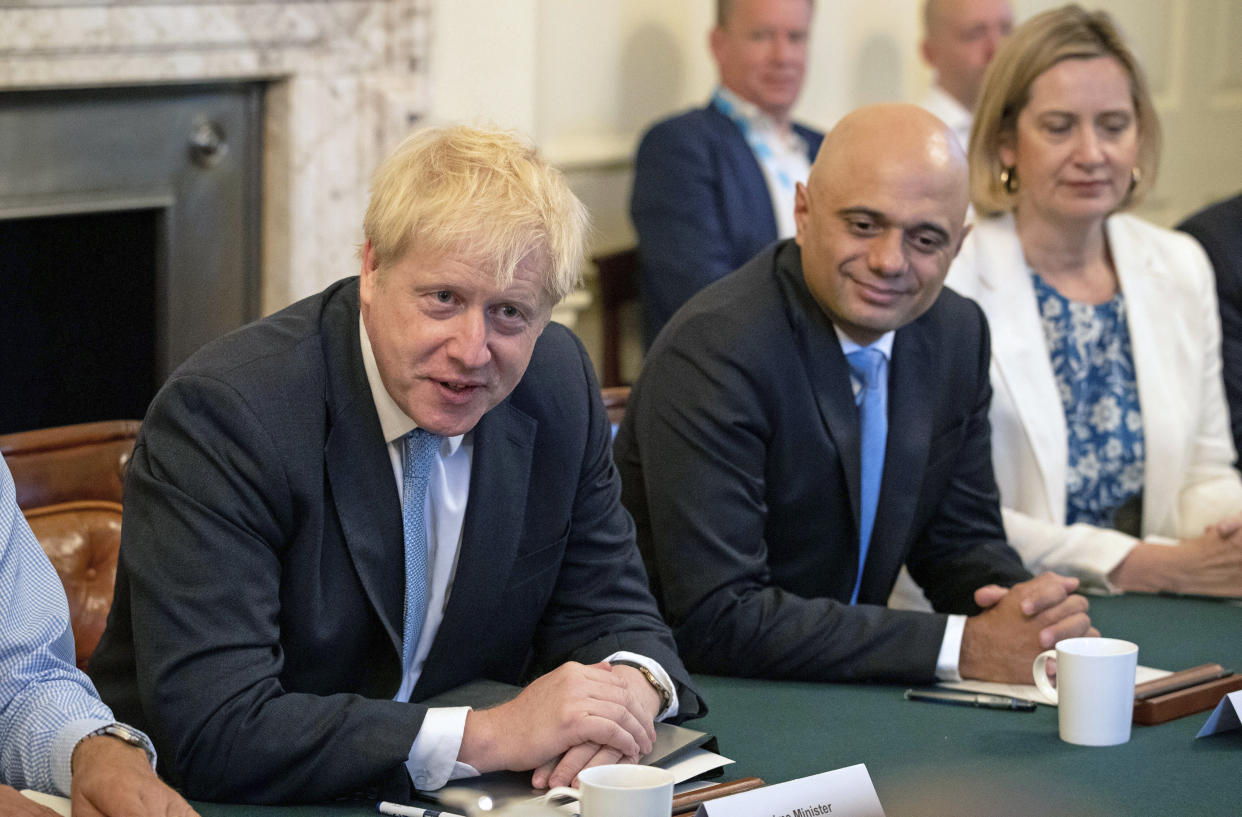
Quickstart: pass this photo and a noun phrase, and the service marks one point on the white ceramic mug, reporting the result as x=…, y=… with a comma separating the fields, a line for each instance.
x=621, y=790
x=1095, y=689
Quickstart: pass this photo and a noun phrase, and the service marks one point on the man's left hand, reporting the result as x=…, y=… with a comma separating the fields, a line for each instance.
x=564, y=772
x=1017, y=623
x=113, y=779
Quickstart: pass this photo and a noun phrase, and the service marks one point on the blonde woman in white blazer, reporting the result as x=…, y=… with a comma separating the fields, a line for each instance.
x=1170, y=300
x=1065, y=136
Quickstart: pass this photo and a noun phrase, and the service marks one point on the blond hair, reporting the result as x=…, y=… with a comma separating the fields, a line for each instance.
x=1065, y=33
x=482, y=194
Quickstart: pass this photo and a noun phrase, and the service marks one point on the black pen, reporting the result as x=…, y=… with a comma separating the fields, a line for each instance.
x=980, y=700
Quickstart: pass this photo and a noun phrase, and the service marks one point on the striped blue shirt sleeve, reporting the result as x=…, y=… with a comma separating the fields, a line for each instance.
x=46, y=703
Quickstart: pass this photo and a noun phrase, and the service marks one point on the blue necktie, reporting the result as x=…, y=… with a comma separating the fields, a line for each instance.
x=868, y=366
x=419, y=454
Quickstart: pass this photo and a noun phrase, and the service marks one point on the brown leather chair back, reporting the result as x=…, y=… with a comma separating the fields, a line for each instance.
x=69, y=481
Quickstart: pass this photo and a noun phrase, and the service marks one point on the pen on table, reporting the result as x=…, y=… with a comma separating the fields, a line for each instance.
x=398, y=810
x=970, y=699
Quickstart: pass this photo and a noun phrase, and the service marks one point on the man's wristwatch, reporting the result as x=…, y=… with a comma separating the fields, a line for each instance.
x=666, y=697
x=131, y=736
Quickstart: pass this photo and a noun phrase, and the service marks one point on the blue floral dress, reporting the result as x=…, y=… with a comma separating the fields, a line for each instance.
x=1089, y=346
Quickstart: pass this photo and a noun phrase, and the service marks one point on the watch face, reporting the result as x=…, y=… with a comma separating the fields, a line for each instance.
x=133, y=738
x=120, y=732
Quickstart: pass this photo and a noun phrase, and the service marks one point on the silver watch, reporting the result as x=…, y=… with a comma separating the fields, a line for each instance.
x=131, y=736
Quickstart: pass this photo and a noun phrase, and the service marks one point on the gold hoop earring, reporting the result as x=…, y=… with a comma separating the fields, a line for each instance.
x=1009, y=180
x=1136, y=176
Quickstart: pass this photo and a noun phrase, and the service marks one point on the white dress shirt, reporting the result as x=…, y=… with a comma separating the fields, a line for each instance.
x=952, y=112
x=433, y=760
x=781, y=153
x=948, y=661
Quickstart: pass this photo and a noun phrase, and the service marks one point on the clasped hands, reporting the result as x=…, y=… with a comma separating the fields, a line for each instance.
x=1219, y=559
x=1019, y=622
x=1209, y=564
x=572, y=718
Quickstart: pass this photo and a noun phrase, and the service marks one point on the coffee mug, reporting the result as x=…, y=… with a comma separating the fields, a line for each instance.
x=621, y=790
x=1095, y=689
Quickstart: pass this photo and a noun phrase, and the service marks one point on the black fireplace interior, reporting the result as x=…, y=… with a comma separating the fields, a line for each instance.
x=77, y=318
x=129, y=237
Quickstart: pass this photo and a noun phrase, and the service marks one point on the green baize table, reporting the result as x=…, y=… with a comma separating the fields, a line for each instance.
x=952, y=761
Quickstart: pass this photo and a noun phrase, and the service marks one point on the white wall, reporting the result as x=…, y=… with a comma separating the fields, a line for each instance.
x=482, y=62
x=585, y=77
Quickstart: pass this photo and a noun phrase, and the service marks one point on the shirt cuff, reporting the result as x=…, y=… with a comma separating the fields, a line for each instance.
x=68, y=738
x=433, y=757
x=948, y=661
x=656, y=670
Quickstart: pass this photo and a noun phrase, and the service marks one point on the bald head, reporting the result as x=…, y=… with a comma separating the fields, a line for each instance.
x=881, y=217
x=894, y=146
x=960, y=37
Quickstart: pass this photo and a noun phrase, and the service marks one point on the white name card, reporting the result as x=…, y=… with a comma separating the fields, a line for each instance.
x=845, y=792
x=1225, y=716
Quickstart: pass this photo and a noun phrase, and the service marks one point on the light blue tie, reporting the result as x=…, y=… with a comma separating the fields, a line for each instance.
x=868, y=366
x=419, y=454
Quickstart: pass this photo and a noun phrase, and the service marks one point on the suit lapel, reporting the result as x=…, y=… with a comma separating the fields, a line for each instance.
x=827, y=372
x=750, y=174
x=359, y=470
x=1019, y=351
x=1146, y=288
x=500, y=475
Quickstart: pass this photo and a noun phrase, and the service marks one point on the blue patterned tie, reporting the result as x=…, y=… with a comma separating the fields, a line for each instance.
x=868, y=366
x=420, y=452
x=762, y=150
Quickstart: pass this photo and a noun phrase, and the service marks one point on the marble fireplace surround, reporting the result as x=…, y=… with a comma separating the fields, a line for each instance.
x=344, y=81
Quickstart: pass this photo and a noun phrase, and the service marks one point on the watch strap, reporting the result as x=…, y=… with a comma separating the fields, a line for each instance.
x=127, y=734
x=666, y=697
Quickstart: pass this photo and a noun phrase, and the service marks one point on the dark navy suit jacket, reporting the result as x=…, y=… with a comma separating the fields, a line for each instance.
x=256, y=629
x=739, y=458
x=1219, y=229
x=700, y=205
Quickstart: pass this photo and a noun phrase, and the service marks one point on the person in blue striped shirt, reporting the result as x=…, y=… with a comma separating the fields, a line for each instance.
x=56, y=735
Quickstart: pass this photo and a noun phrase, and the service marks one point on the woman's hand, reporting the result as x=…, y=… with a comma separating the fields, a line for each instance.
x=1207, y=565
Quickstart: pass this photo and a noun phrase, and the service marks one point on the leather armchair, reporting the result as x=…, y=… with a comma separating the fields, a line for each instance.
x=69, y=482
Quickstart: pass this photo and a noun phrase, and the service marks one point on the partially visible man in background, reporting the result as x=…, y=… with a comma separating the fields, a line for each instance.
x=56, y=736
x=1218, y=228
x=959, y=39
x=715, y=185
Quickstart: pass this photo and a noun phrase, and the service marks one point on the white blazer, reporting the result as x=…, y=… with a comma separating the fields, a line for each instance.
x=1171, y=311
x=1170, y=302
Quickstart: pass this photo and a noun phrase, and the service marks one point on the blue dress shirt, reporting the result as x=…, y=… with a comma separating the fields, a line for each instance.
x=46, y=703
